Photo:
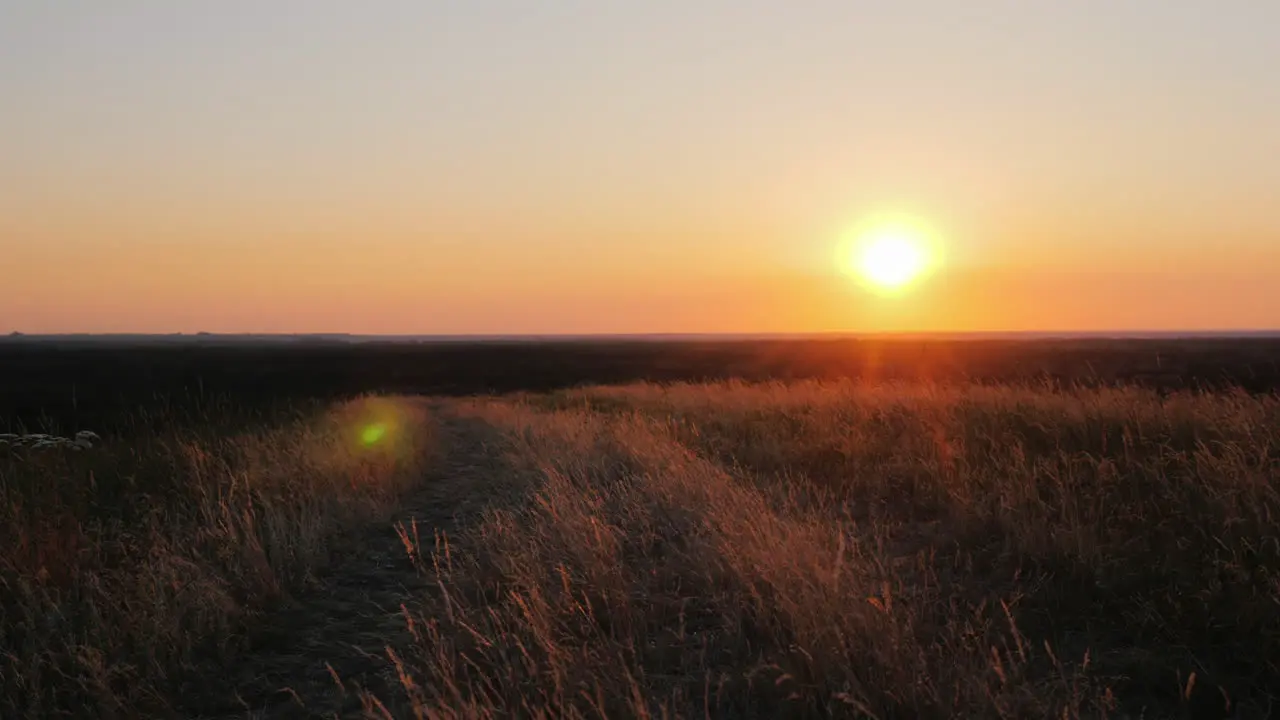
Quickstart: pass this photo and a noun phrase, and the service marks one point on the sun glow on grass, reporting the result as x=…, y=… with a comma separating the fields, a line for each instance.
x=378, y=426
x=373, y=434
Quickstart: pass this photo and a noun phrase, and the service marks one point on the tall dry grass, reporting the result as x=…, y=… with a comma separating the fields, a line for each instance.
x=839, y=550
x=127, y=567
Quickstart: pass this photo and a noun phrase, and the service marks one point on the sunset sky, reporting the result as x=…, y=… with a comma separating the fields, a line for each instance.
x=542, y=166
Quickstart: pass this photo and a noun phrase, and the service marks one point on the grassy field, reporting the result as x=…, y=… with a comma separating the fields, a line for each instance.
x=836, y=550
x=131, y=569
x=808, y=549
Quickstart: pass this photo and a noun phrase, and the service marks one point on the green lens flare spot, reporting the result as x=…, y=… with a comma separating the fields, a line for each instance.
x=373, y=434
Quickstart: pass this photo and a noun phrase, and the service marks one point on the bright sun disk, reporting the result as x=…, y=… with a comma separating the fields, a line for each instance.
x=892, y=261
x=890, y=257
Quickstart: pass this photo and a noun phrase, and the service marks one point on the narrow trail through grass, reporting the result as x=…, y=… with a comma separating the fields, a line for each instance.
x=326, y=654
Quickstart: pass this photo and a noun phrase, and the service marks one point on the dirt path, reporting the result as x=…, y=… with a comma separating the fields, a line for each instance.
x=314, y=659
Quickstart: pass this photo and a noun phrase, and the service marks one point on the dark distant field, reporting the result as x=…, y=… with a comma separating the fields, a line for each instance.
x=757, y=529
x=78, y=383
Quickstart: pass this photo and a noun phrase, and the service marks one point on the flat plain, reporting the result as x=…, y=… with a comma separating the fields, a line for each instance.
x=903, y=529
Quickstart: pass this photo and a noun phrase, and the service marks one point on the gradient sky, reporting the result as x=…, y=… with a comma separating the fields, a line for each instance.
x=504, y=166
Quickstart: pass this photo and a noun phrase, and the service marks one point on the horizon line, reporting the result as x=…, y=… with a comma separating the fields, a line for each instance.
x=1259, y=333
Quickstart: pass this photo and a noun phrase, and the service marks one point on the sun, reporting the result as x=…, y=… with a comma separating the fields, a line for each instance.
x=891, y=260
x=889, y=257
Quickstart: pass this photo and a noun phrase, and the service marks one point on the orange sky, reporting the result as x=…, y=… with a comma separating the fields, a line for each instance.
x=499, y=168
